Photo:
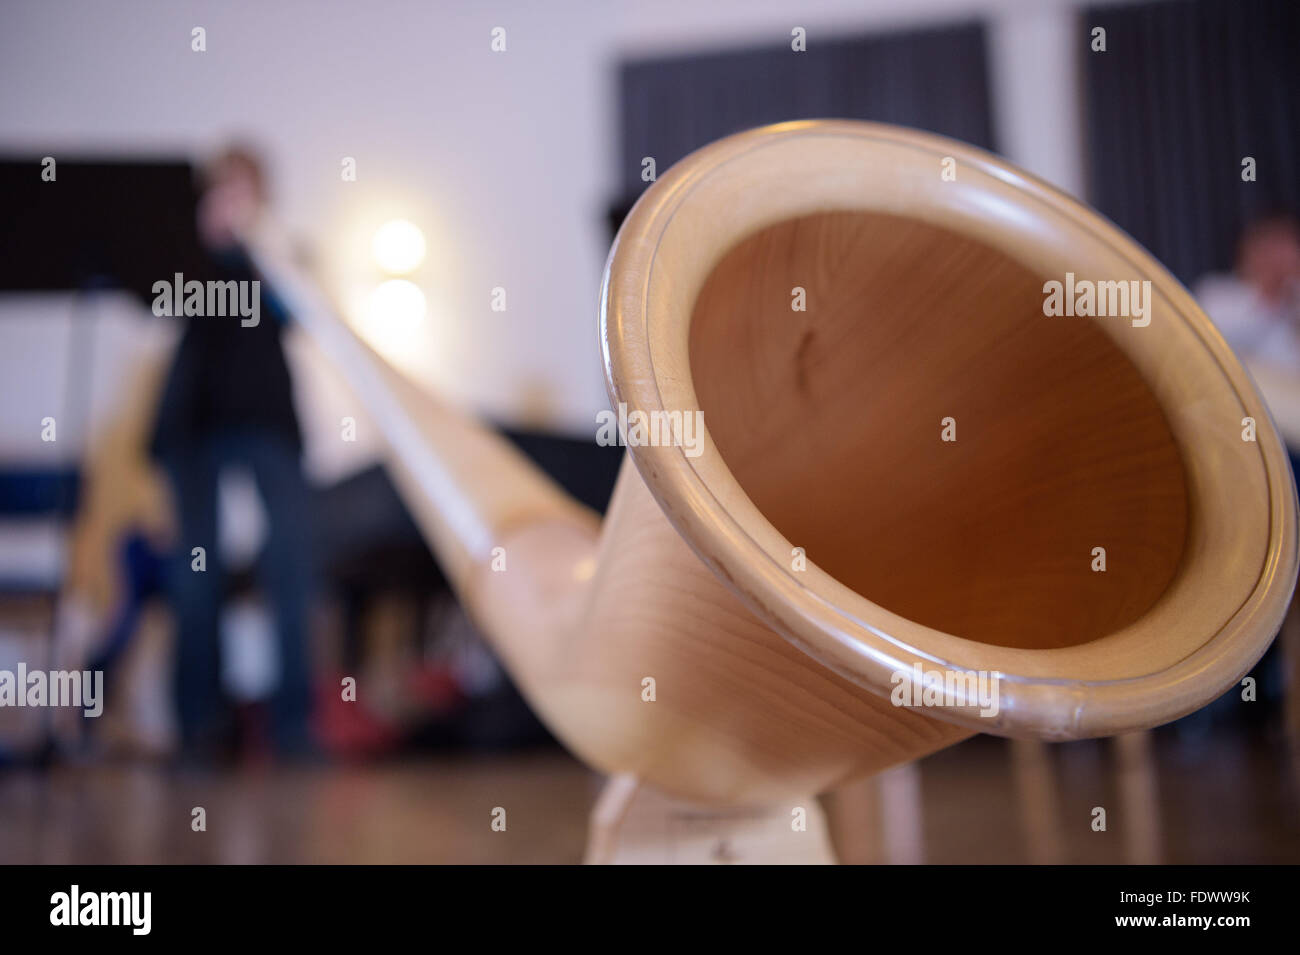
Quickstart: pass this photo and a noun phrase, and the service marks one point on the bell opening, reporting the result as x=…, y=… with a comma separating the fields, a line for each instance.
x=891, y=396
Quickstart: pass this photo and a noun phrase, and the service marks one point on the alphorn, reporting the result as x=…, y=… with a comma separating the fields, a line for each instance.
x=908, y=468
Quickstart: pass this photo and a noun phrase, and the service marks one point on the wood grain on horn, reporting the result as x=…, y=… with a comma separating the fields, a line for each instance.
x=830, y=420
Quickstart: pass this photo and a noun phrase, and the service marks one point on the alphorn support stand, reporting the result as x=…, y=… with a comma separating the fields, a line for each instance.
x=632, y=824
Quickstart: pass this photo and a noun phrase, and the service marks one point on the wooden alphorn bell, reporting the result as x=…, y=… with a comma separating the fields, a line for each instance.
x=906, y=467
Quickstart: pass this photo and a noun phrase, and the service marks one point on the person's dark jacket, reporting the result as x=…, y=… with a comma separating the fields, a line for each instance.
x=225, y=376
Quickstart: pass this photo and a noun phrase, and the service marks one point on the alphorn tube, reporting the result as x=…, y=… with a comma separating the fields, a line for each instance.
x=915, y=470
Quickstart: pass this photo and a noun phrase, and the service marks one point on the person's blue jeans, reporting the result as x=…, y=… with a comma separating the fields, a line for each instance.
x=285, y=572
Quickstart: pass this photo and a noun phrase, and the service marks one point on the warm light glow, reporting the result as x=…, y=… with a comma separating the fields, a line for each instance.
x=398, y=247
x=394, y=315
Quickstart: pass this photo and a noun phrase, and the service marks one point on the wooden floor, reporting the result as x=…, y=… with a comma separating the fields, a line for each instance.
x=1221, y=800
x=1225, y=798
x=427, y=812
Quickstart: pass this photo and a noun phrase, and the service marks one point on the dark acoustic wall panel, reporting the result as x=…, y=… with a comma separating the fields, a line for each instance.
x=1182, y=93
x=934, y=79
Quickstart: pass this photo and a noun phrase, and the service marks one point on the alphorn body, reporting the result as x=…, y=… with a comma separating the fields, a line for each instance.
x=906, y=467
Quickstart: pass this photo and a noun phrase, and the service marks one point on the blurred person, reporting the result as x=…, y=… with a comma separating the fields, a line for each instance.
x=1257, y=309
x=228, y=401
x=1257, y=306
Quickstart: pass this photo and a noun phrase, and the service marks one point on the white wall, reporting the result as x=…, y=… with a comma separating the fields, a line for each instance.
x=506, y=160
